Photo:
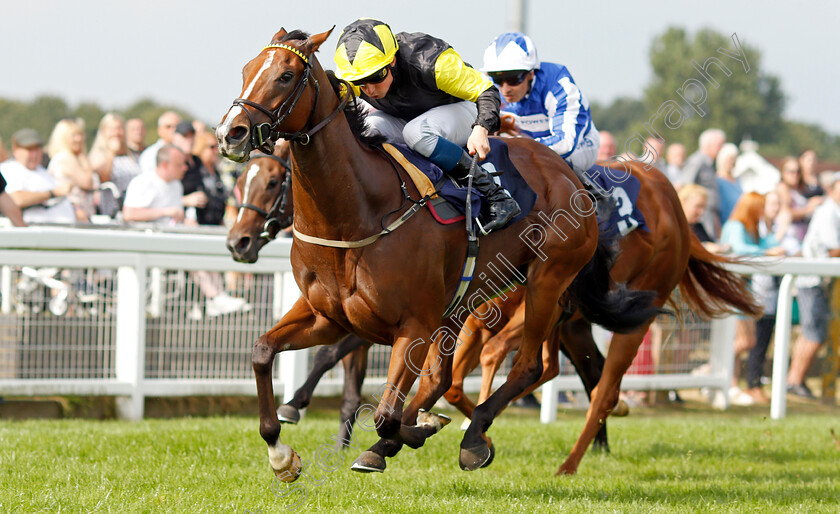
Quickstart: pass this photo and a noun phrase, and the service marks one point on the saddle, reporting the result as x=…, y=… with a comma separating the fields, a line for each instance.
x=446, y=198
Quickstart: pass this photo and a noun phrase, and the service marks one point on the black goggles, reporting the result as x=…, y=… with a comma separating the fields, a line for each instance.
x=511, y=78
x=374, y=78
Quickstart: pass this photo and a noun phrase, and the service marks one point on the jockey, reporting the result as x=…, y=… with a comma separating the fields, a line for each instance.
x=543, y=99
x=427, y=98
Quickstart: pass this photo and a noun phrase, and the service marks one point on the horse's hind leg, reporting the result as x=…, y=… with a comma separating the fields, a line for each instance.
x=355, y=367
x=545, y=285
x=577, y=344
x=299, y=328
x=325, y=359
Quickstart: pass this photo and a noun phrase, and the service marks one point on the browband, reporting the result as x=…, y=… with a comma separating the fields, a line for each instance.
x=289, y=48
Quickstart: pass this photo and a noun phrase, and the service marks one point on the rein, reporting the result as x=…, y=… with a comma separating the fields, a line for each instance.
x=278, y=208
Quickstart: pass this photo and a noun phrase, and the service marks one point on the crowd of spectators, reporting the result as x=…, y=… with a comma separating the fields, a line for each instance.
x=174, y=181
x=737, y=203
x=734, y=200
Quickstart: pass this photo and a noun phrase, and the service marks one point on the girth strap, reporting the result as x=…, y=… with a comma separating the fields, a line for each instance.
x=334, y=243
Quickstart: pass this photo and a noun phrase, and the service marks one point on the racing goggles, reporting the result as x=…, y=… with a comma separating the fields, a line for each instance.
x=511, y=78
x=374, y=78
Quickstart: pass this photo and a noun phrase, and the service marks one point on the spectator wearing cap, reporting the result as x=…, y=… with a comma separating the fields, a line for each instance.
x=34, y=190
x=194, y=196
x=821, y=240
x=166, y=128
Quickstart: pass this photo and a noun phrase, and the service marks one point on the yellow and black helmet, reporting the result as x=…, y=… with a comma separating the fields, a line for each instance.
x=364, y=47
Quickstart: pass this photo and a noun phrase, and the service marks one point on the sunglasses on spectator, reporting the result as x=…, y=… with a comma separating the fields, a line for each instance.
x=374, y=78
x=511, y=78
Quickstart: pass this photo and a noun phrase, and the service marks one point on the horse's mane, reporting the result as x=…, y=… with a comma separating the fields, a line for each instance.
x=295, y=35
x=355, y=115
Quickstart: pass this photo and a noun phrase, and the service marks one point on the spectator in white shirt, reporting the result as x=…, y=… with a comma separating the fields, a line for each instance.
x=34, y=190
x=821, y=240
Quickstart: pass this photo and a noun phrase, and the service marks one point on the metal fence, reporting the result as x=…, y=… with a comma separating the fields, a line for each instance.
x=120, y=313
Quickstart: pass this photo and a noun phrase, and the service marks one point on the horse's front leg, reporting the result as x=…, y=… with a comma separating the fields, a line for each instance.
x=300, y=328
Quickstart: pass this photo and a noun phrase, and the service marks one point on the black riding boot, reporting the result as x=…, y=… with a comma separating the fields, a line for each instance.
x=503, y=207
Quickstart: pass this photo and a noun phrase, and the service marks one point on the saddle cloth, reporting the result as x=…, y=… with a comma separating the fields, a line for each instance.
x=448, y=199
x=623, y=188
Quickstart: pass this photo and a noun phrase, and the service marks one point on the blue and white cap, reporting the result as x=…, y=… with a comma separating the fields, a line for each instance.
x=511, y=51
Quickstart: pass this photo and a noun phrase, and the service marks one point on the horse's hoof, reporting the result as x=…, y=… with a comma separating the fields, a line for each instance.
x=620, y=410
x=292, y=472
x=492, y=456
x=430, y=419
x=466, y=424
x=566, y=469
x=473, y=458
x=369, y=462
x=288, y=414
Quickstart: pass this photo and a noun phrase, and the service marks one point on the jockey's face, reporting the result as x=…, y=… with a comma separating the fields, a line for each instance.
x=379, y=89
x=515, y=93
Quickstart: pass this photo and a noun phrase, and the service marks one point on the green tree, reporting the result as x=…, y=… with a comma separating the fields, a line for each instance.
x=797, y=137
x=717, y=81
x=619, y=116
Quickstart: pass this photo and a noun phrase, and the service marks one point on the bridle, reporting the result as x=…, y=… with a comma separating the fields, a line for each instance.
x=264, y=135
x=273, y=215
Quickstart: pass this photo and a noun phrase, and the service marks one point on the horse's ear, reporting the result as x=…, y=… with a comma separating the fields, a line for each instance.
x=279, y=35
x=314, y=42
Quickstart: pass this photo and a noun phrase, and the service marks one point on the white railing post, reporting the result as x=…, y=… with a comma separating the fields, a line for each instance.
x=131, y=338
x=548, y=405
x=293, y=364
x=277, y=297
x=722, y=357
x=155, y=292
x=781, y=351
x=6, y=289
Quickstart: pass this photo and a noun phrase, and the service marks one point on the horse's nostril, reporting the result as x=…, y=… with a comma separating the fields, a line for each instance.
x=237, y=134
x=243, y=244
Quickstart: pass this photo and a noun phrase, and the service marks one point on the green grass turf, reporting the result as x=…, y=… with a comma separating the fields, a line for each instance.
x=692, y=460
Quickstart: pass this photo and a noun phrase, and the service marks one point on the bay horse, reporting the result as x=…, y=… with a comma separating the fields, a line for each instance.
x=666, y=256
x=392, y=286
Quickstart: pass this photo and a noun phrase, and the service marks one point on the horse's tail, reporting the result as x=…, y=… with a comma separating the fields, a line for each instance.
x=603, y=302
x=712, y=290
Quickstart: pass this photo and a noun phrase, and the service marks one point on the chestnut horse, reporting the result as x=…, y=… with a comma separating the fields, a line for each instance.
x=666, y=256
x=261, y=190
x=395, y=289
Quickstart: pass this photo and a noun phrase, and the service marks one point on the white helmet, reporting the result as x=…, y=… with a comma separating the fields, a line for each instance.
x=511, y=51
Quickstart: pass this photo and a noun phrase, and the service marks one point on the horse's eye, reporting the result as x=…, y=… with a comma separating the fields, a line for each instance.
x=273, y=183
x=287, y=76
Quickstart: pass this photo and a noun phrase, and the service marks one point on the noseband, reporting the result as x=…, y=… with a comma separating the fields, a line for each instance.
x=278, y=208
